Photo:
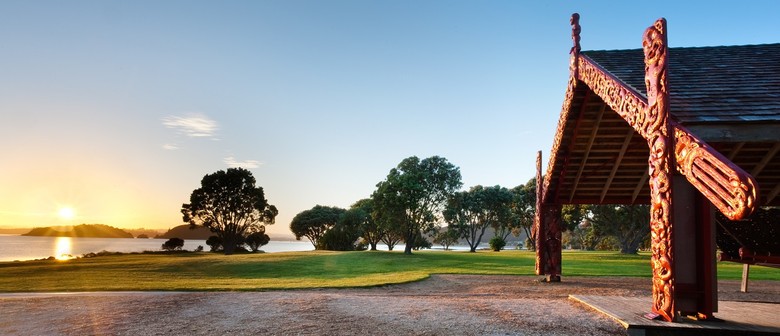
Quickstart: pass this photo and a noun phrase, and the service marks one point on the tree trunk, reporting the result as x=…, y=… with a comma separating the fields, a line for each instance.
x=229, y=247
x=373, y=246
x=409, y=240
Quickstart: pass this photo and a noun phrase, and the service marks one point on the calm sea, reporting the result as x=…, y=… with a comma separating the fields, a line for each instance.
x=13, y=247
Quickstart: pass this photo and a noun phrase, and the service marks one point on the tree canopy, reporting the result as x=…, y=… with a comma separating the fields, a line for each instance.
x=313, y=223
x=360, y=216
x=173, y=244
x=628, y=224
x=230, y=205
x=257, y=239
x=413, y=194
x=523, y=207
x=471, y=212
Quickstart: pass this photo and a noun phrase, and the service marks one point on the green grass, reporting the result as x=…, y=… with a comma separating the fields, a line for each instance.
x=314, y=269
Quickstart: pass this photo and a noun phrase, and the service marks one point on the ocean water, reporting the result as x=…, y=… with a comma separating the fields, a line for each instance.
x=14, y=247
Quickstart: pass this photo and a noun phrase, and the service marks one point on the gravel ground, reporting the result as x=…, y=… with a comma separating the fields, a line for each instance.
x=441, y=305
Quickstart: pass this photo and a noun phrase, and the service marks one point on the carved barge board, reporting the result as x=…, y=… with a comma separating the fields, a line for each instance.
x=732, y=190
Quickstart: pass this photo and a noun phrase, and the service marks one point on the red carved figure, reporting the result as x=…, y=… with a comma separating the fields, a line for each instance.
x=655, y=128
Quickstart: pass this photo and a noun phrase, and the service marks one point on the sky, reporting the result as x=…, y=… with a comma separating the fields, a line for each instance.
x=117, y=109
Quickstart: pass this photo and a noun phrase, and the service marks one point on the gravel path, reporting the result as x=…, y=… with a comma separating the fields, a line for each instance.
x=441, y=305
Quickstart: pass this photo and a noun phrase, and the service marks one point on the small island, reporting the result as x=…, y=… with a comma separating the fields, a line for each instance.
x=184, y=232
x=82, y=230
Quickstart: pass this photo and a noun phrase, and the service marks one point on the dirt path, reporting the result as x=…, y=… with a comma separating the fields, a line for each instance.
x=441, y=305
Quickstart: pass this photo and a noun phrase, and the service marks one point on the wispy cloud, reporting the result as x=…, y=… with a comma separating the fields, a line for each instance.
x=232, y=163
x=194, y=125
x=170, y=146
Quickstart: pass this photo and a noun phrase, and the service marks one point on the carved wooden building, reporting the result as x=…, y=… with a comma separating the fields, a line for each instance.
x=690, y=131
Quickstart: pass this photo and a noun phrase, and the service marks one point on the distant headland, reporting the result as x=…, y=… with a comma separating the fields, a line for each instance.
x=82, y=230
x=184, y=232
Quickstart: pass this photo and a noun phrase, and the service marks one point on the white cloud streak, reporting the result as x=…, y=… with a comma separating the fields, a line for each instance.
x=232, y=163
x=192, y=125
x=169, y=146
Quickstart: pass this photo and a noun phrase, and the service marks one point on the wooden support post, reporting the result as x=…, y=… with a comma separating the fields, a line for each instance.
x=745, y=274
x=547, y=232
x=553, y=242
x=694, y=251
x=538, y=229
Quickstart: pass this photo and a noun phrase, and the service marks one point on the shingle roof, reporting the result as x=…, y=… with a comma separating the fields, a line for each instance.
x=709, y=84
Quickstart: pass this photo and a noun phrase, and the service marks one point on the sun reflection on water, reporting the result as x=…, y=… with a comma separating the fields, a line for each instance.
x=63, y=247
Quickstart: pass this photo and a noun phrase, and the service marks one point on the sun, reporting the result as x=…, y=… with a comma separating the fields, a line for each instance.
x=66, y=213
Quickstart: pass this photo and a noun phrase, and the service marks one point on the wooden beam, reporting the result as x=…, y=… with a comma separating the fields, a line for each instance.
x=587, y=151
x=735, y=151
x=569, y=149
x=745, y=132
x=639, y=186
x=768, y=157
x=618, y=161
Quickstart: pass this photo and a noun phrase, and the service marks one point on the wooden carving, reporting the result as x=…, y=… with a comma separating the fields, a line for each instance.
x=552, y=244
x=629, y=104
x=655, y=125
x=575, y=33
x=575, y=49
x=570, y=88
x=536, y=229
x=543, y=223
x=732, y=190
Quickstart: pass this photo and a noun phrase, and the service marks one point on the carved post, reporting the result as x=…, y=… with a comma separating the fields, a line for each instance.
x=552, y=223
x=575, y=49
x=656, y=129
x=536, y=231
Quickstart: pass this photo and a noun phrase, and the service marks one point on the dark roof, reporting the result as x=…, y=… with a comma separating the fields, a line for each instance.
x=709, y=84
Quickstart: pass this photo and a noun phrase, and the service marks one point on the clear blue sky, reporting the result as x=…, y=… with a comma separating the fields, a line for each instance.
x=118, y=109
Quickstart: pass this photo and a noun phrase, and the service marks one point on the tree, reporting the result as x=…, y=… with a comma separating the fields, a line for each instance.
x=471, y=212
x=523, y=208
x=386, y=221
x=629, y=225
x=414, y=193
x=392, y=238
x=360, y=213
x=343, y=236
x=420, y=242
x=584, y=236
x=173, y=244
x=497, y=243
x=230, y=205
x=214, y=243
x=572, y=216
x=445, y=237
x=313, y=223
x=257, y=239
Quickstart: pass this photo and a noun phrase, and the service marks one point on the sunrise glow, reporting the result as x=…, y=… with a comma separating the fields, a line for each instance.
x=66, y=213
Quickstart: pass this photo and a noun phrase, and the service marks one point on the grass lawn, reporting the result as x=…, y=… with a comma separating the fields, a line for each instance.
x=313, y=269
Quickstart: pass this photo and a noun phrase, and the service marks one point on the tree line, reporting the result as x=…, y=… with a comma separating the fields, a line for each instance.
x=420, y=199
